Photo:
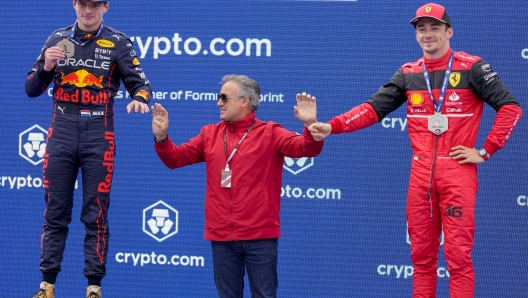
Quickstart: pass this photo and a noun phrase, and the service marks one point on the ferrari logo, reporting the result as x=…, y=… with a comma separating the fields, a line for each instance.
x=428, y=9
x=454, y=78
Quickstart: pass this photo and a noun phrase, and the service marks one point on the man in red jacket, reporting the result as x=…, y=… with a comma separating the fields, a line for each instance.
x=244, y=158
x=445, y=93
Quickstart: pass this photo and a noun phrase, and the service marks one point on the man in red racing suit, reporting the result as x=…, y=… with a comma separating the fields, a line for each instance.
x=86, y=62
x=443, y=180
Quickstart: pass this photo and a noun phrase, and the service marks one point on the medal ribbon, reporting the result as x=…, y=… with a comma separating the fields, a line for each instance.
x=238, y=145
x=438, y=105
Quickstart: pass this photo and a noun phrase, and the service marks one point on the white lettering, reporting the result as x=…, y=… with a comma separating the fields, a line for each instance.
x=197, y=49
x=157, y=49
x=143, y=48
x=405, y=271
x=87, y=63
x=213, y=49
x=521, y=200
x=524, y=53
x=258, y=45
x=240, y=47
x=391, y=123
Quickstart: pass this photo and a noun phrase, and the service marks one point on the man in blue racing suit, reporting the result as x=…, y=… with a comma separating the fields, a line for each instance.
x=86, y=62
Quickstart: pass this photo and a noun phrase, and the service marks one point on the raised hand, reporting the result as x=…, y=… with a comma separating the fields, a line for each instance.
x=160, y=121
x=306, y=109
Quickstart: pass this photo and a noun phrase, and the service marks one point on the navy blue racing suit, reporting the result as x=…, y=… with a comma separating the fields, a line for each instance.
x=81, y=135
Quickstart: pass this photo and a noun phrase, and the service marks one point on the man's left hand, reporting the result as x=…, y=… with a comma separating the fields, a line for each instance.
x=136, y=106
x=467, y=155
x=306, y=109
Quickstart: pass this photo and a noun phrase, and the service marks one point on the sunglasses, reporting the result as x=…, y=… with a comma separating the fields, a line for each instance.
x=223, y=97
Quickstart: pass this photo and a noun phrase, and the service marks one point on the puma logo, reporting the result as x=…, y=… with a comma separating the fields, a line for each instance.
x=61, y=109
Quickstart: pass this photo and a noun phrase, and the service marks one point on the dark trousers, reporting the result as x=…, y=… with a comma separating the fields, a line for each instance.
x=77, y=142
x=258, y=257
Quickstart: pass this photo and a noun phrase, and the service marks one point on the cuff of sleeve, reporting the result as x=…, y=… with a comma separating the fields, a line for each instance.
x=336, y=128
x=490, y=149
x=162, y=144
x=485, y=157
x=45, y=75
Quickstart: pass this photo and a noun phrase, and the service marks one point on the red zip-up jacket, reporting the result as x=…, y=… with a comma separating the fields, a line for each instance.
x=250, y=209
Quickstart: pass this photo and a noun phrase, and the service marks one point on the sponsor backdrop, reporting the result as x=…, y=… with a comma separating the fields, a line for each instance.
x=343, y=212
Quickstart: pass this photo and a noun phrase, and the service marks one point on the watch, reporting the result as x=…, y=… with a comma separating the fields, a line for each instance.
x=483, y=153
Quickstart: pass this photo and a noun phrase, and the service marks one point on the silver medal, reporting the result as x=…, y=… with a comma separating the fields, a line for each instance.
x=437, y=123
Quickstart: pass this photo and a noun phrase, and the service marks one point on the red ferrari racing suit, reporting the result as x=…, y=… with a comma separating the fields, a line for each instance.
x=442, y=192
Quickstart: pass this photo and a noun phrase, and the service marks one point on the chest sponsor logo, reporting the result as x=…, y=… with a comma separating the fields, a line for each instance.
x=105, y=43
x=416, y=99
x=454, y=78
x=84, y=63
x=83, y=95
x=453, y=100
x=82, y=78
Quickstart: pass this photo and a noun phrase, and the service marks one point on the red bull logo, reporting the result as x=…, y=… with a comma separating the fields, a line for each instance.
x=82, y=78
x=144, y=94
x=85, y=96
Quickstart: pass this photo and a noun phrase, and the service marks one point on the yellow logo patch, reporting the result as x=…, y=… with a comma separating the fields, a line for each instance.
x=105, y=43
x=416, y=98
x=454, y=78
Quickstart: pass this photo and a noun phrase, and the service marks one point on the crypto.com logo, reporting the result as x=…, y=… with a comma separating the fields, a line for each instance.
x=297, y=165
x=32, y=144
x=160, y=221
x=409, y=239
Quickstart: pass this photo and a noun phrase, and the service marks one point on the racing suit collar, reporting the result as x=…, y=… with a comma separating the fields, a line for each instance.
x=241, y=124
x=440, y=62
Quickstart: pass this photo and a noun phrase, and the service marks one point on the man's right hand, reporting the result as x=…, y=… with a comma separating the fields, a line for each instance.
x=320, y=130
x=160, y=121
x=51, y=56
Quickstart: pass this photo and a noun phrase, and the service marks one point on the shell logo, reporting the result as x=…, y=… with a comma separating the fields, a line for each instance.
x=135, y=61
x=105, y=43
x=416, y=98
